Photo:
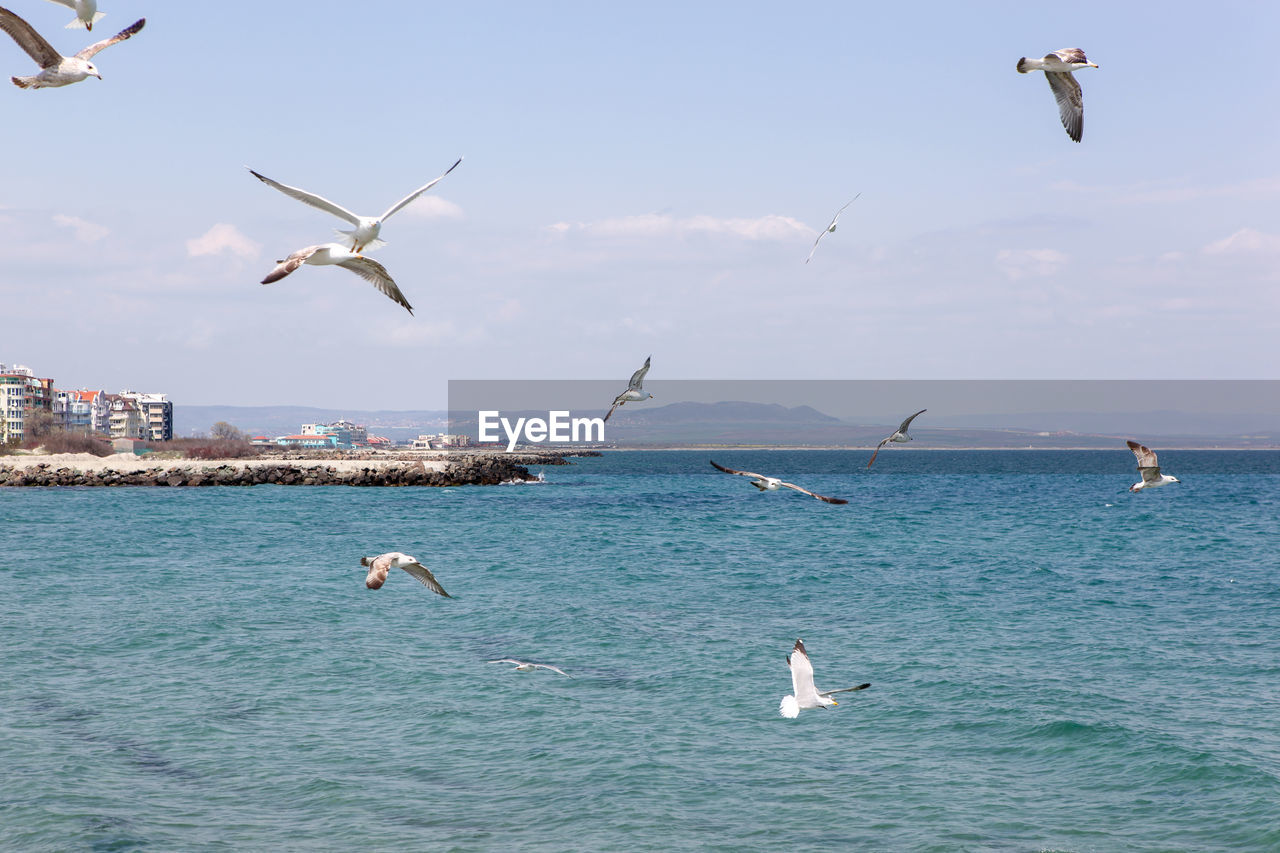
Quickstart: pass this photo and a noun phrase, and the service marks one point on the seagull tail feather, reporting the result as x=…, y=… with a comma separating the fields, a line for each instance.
x=77, y=24
x=1024, y=67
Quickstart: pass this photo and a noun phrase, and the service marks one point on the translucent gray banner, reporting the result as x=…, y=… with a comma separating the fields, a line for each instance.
x=859, y=413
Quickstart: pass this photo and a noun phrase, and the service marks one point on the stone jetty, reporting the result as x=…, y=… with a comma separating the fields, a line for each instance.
x=481, y=469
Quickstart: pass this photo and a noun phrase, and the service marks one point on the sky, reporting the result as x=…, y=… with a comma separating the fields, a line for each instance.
x=642, y=179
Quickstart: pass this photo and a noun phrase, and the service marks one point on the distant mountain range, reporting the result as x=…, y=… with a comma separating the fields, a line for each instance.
x=742, y=423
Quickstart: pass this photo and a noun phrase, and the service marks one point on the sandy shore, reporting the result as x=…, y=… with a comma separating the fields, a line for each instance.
x=127, y=462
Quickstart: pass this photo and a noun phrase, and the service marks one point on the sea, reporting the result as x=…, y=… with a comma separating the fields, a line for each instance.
x=1055, y=664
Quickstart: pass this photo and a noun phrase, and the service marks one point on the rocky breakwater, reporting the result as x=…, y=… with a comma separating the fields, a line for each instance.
x=479, y=470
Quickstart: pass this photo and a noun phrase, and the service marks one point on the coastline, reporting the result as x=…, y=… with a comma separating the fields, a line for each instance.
x=439, y=470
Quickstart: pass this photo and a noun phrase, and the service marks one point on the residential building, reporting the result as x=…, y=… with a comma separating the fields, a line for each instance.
x=21, y=393
x=85, y=412
x=441, y=441
x=156, y=413
x=126, y=417
x=347, y=433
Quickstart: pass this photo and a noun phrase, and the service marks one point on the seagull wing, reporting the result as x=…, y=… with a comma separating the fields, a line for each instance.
x=908, y=421
x=618, y=401
x=29, y=40
x=823, y=498
x=846, y=689
x=553, y=669
x=128, y=32
x=822, y=234
x=802, y=676
x=291, y=263
x=70, y=4
x=423, y=575
x=877, y=453
x=637, y=378
x=1070, y=101
x=1070, y=55
x=739, y=473
x=419, y=191
x=377, y=275
x=507, y=660
x=311, y=199
x=1145, y=455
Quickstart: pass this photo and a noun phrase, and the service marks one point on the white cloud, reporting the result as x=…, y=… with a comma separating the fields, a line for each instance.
x=1244, y=240
x=86, y=232
x=771, y=227
x=223, y=237
x=1019, y=263
x=433, y=207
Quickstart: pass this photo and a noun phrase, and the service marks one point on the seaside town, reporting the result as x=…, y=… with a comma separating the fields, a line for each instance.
x=32, y=405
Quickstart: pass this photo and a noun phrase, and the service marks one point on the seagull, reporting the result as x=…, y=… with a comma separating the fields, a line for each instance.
x=772, y=484
x=367, y=228
x=899, y=437
x=805, y=694
x=1057, y=68
x=830, y=228
x=635, y=389
x=378, y=567
x=87, y=13
x=1149, y=467
x=525, y=666
x=56, y=69
x=335, y=253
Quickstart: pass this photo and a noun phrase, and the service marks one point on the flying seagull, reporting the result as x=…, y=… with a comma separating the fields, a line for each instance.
x=1057, y=68
x=525, y=666
x=380, y=565
x=367, y=228
x=87, y=13
x=772, y=484
x=900, y=436
x=1149, y=468
x=830, y=228
x=56, y=69
x=805, y=695
x=635, y=389
x=335, y=253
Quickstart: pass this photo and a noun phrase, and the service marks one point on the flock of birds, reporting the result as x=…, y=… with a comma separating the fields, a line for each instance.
x=57, y=70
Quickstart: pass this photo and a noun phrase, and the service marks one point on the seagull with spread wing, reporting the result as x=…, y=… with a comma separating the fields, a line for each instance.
x=87, y=13
x=1057, y=68
x=1149, y=468
x=367, y=228
x=380, y=565
x=830, y=229
x=772, y=484
x=900, y=435
x=525, y=666
x=335, y=253
x=804, y=694
x=635, y=389
x=56, y=69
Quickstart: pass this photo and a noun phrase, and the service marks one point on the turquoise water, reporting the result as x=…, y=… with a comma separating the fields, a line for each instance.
x=1055, y=663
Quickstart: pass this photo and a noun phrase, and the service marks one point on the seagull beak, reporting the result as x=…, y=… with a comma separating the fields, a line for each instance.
x=99, y=76
x=834, y=703
x=1092, y=65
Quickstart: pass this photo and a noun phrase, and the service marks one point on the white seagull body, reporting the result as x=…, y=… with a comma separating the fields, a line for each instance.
x=804, y=694
x=1149, y=468
x=380, y=565
x=830, y=229
x=772, y=484
x=899, y=436
x=87, y=13
x=56, y=69
x=635, y=389
x=367, y=228
x=1057, y=68
x=335, y=253
x=525, y=666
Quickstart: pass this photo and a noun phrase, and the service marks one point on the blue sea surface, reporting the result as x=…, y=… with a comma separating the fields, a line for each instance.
x=1056, y=664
